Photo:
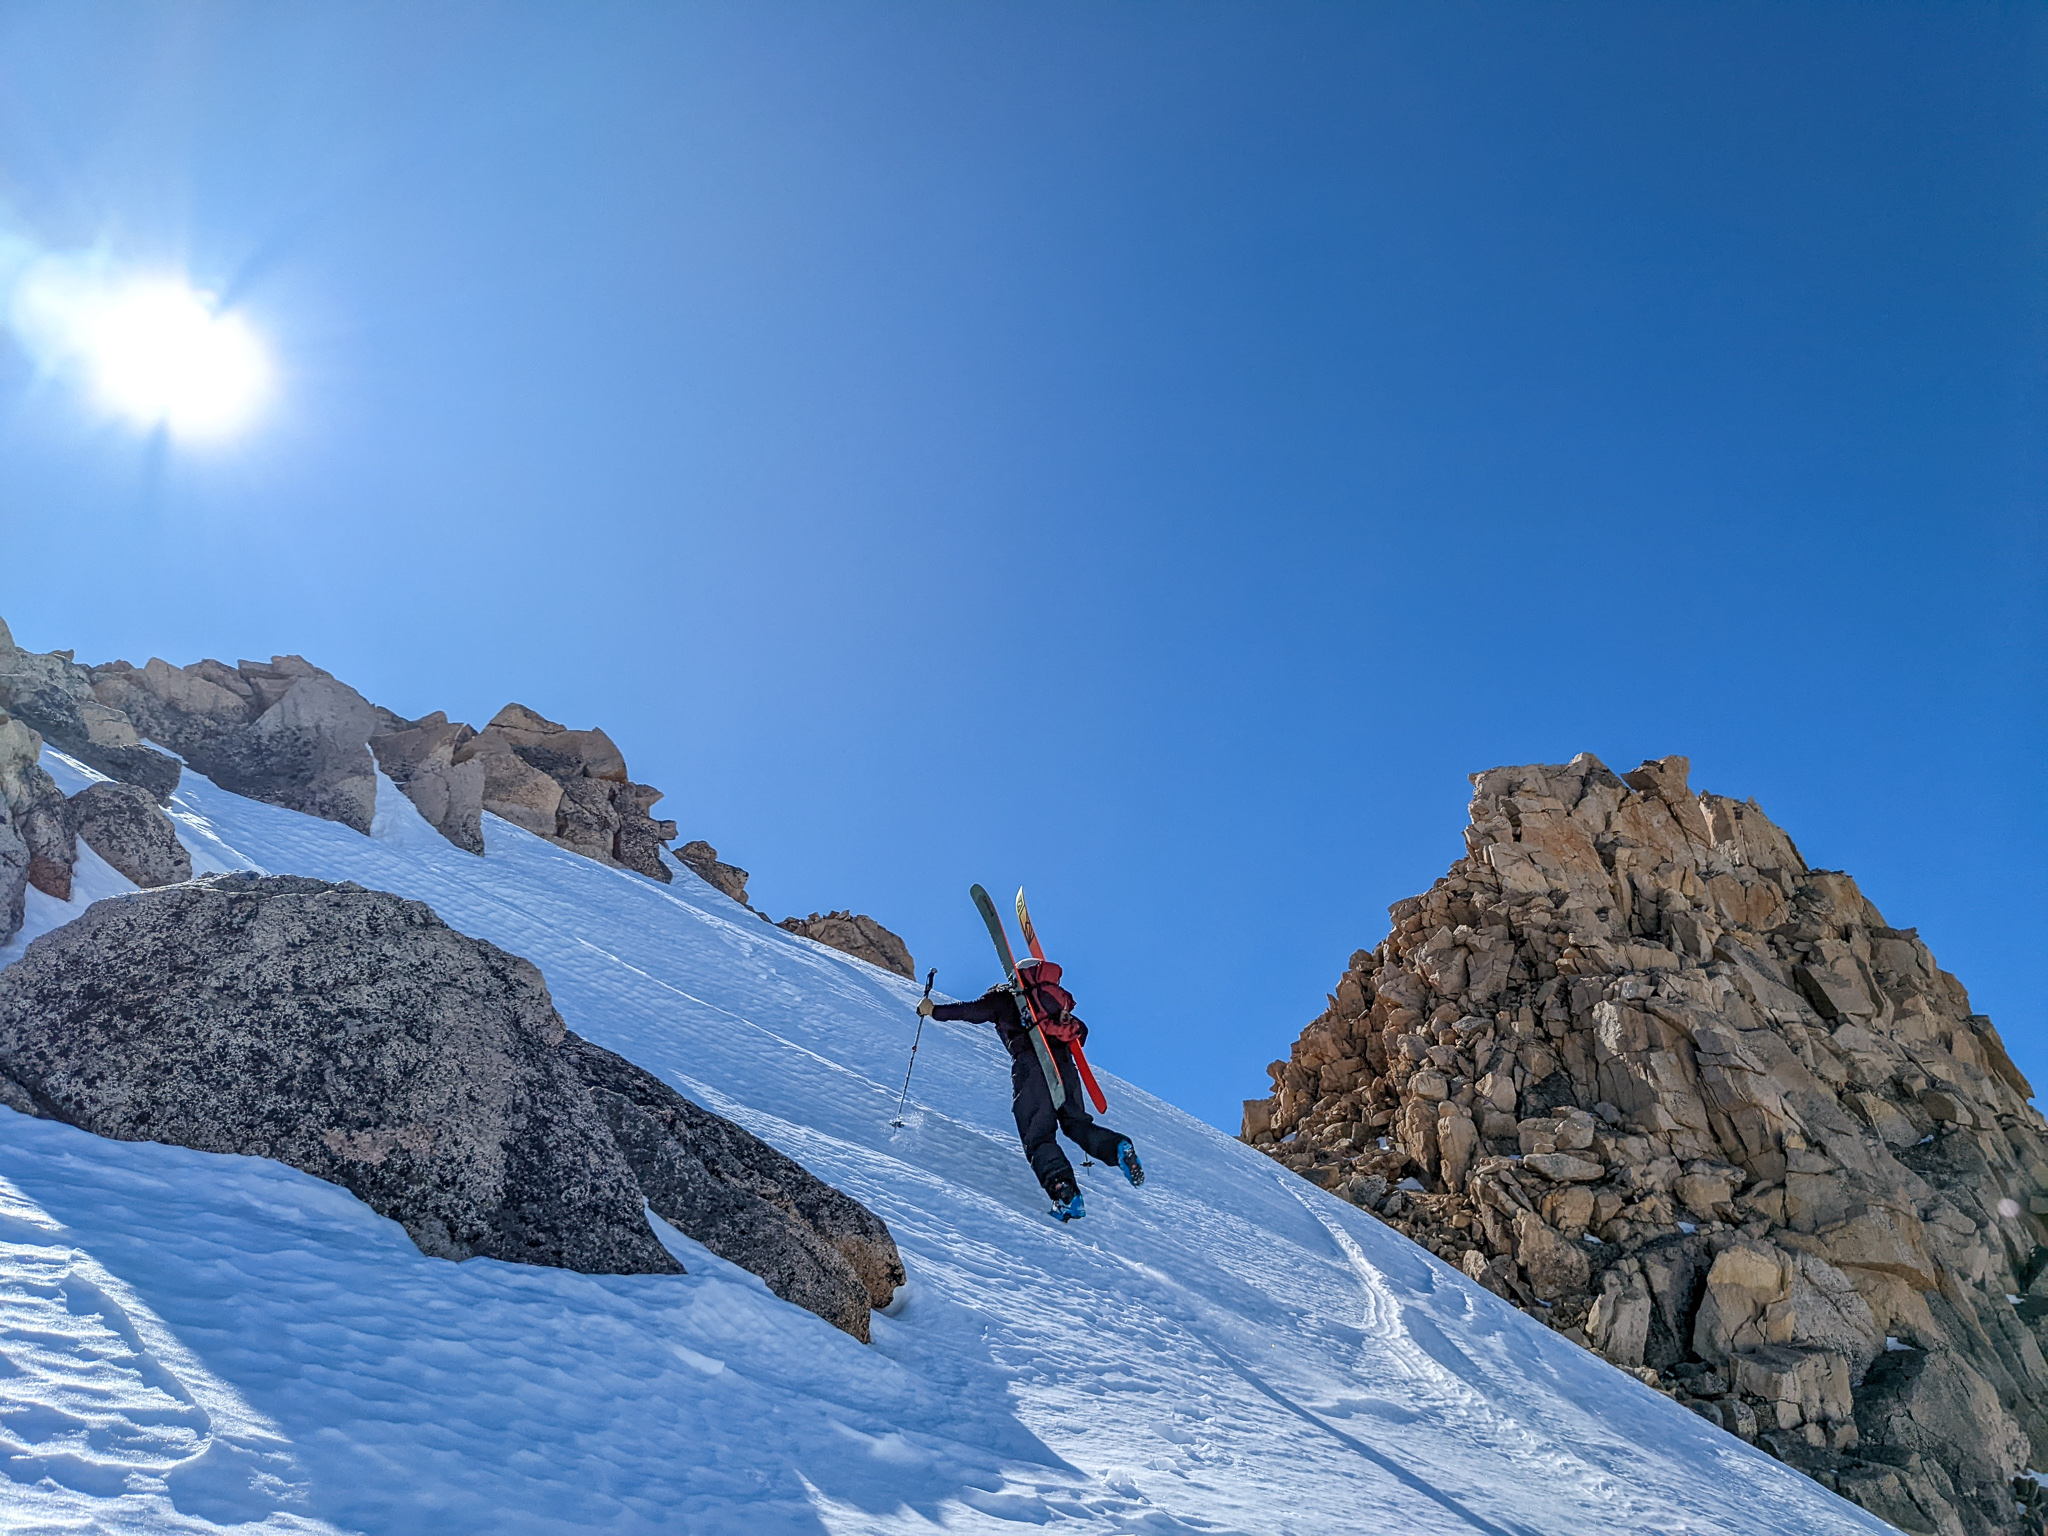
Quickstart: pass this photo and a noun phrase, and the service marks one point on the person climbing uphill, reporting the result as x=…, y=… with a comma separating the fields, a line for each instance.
x=1038, y=1122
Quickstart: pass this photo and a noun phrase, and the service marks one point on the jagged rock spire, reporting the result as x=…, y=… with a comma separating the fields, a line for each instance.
x=1697, y=1106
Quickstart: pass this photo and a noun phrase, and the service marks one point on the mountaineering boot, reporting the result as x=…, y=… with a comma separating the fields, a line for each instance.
x=1066, y=1200
x=1127, y=1159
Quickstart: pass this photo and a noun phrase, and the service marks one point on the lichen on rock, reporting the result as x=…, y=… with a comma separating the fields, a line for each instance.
x=126, y=827
x=355, y=1036
x=742, y=1199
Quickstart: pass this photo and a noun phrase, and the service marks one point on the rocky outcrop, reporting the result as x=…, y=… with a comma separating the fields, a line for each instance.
x=742, y=1199
x=36, y=846
x=289, y=734
x=858, y=935
x=53, y=695
x=854, y=933
x=283, y=732
x=1635, y=1067
x=18, y=745
x=355, y=1036
x=34, y=840
x=419, y=757
x=570, y=787
x=124, y=825
x=702, y=861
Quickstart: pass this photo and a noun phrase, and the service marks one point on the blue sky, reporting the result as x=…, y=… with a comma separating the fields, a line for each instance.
x=1148, y=452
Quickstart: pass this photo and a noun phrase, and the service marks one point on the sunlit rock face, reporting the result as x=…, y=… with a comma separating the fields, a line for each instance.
x=288, y=733
x=419, y=757
x=53, y=695
x=856, y=934
x=284, y=732
x=1698, y=1107
x=36, y=844
x=570, y=787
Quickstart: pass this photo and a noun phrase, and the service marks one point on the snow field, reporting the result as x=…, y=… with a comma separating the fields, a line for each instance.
x=191, y=1342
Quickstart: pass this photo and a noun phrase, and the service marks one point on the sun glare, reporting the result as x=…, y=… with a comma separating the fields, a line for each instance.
x=152, y=349
x=160, y=353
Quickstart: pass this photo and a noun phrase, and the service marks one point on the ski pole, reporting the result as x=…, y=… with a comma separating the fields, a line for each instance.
x=929, y=977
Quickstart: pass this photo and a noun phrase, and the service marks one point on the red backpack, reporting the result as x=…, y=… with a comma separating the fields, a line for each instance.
x=1051, y=1003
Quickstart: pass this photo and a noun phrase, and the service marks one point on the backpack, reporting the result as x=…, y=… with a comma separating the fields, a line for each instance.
x=1051, y=1004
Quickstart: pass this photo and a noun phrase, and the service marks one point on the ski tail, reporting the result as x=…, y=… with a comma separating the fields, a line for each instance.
x=1088, y=1079
x=1080, y=1061
x=1024, y=922
x=996, y=932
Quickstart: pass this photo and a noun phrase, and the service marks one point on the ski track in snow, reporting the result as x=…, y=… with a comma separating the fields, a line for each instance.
x=194, y=1342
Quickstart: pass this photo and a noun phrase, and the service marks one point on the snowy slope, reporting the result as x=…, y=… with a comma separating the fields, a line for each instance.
x=191, y=1342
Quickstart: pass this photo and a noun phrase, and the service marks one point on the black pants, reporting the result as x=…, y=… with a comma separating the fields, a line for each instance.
x=1038, y=1122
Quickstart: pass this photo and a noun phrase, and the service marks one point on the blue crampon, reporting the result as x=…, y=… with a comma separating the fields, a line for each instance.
x=1127, y=1159
x=1069, y=1209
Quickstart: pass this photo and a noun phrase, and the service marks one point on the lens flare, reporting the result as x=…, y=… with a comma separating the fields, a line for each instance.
x=153, y=350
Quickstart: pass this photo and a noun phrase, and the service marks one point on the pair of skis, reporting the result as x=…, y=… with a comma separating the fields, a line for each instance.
x=996, y=931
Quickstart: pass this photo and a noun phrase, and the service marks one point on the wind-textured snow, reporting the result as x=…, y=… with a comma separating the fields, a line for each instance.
x=191, y=1342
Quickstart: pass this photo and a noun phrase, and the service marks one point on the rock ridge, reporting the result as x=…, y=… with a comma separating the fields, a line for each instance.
x=293, y=735
x=1638, y=1069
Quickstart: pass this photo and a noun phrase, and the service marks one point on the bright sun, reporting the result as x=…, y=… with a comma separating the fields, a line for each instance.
x=152, y=349
x=160, y=353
